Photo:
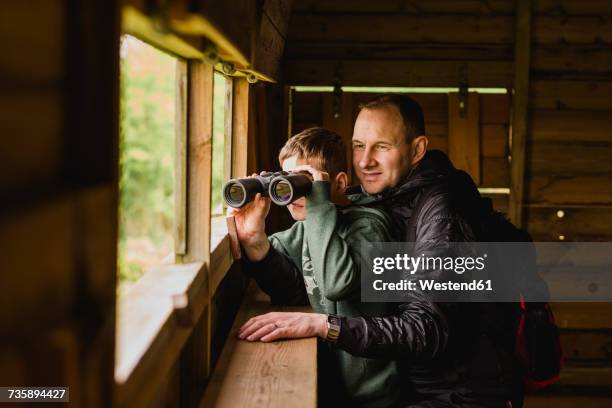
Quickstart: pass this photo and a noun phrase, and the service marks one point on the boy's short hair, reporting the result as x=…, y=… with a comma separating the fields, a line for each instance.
x=323, y=146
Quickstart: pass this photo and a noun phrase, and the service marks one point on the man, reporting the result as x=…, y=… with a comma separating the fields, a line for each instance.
x=317, y=261
x=455, y=355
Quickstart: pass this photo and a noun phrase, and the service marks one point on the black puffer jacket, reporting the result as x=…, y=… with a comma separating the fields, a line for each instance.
x=453, y=354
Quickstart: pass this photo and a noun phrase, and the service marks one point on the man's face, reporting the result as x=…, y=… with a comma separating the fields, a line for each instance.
x=298, y=207
x=381, y=155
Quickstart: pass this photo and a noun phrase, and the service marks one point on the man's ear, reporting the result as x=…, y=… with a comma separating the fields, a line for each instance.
x=341, y=182
x=418, y=148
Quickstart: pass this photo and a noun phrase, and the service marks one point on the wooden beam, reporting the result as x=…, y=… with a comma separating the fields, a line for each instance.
x=520, y=109
x=200, y=171
x=200, y=158
x=342, y=124
x=142, y=26
x=271, y=37
x=401, y=28
x=240, y=127
x=180, y=165
x=464, y=133
x=356, y=72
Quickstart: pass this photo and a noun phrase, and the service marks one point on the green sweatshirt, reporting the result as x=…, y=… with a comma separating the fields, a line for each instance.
x=326, y=247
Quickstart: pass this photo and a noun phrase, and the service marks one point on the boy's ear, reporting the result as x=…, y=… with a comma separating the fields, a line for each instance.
x=341, y=181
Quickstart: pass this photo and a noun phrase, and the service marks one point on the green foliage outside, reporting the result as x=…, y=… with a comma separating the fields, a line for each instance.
x=147, y=157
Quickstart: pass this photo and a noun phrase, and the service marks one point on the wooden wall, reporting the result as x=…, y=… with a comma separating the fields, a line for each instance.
x=58, y=184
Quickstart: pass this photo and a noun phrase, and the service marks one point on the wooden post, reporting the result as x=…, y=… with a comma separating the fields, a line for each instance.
x=342, y=124
x=520, y=109
x=180, y=166
x=200, y=173
x=240, y=127
x=464, y=133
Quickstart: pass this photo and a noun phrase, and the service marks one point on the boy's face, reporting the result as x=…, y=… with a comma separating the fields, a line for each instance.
x=298, y=207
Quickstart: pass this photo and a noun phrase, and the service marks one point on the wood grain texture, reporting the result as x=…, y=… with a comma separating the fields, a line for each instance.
x=464, y=133
x=398, y=73
x=570, y=190
x=277, y=374
x=200, y=158
x=522, y=60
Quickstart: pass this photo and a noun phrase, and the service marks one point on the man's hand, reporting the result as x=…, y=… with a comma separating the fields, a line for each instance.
x=317, y=175
x=251, y=227
x=284, y=325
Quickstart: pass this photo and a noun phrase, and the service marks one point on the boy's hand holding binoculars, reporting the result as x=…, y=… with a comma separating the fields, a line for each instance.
x=251, y=226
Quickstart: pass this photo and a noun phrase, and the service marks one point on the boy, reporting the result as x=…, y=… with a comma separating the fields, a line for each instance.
x=317, y=260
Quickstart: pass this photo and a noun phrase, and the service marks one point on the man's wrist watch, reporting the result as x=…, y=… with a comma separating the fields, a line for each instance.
x=333, y=328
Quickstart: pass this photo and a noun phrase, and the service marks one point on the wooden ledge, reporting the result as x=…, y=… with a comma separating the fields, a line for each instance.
x=277, y=374
x=154, y=319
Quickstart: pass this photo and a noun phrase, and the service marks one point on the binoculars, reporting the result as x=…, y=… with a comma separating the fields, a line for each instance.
x=282, y=187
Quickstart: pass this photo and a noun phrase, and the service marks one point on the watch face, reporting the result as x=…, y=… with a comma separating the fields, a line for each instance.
x=333, y=319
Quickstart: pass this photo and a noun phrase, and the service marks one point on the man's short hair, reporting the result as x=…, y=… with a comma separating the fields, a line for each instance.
x=323, y=146
x=409, y=109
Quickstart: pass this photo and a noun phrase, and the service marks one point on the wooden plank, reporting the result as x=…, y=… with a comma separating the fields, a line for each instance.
x=140, y=25
x=271, y=36
x=277, y=374
x=569, y=94
x=437, y=142
x=342, y=124
x=240, y=127
x=398, y=73
x=180, y=164
x=587, y=346
x=594, y=223
x=229, y=25
x=570, y=126
x=317, y=49
x=495, y=172
x=439, y=6
x=269, y=49
x=569, y=190
x=401, y=28
x=228, y=147
x=464, y=133
x=307, y=107
x=200, y=158
x=151, y=335
x=494, y=140
x=566, y=61
x=494, y=109
x=592, y=315
x=552, y=7
x=570, y=158
x=519, y=110
x=566, y=401
x=552, y=30
x=574, y=7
